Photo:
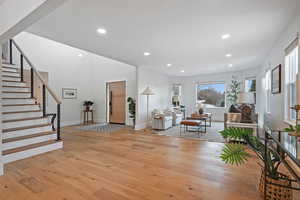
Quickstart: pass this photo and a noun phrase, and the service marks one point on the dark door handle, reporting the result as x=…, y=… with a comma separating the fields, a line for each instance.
x=110, y=102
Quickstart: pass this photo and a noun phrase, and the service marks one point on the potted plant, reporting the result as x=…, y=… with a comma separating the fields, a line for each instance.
x=88, y=105
x=237, y=154
x=233, y=91
x=131, y=109
x=293, y=131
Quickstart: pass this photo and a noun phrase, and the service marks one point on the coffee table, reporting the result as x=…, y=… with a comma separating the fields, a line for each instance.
x=204, y=118
x=191, y=123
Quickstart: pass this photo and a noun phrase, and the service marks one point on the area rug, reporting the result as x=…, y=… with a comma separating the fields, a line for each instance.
x=212, y=134
x=102, y=127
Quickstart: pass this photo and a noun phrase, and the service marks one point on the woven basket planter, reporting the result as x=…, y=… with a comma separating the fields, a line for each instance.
x=275, y=192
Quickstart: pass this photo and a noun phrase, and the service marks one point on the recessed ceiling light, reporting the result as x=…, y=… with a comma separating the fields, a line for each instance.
x=182, y=71
x=226, y=36
x=147, y=54
x=228, y=55
x=101, y=31
x=230, y=65
x=169, y=65
x=80, y=55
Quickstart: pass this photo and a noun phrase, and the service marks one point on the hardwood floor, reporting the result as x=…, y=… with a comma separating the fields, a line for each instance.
x=127, y=165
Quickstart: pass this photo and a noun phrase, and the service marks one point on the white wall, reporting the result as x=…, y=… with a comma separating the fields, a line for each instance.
x=88, y=74
x=160, y=85
x=189, y=89
x=276, y=57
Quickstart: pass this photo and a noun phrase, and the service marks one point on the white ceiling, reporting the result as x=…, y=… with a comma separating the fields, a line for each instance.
x=186, y=33
x=1, y=2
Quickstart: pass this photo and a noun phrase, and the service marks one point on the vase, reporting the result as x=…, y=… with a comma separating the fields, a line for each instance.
x=201, y=111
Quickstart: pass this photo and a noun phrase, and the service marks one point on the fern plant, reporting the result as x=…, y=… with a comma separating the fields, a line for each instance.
x=236, y=154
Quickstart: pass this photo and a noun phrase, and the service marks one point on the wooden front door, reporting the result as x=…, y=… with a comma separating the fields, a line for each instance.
x=117, y=102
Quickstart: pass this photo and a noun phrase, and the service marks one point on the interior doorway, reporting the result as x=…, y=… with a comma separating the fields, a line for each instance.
x=116, y=102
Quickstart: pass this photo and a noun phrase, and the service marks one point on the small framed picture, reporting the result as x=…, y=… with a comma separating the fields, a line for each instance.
x=276, y=80
x=69, y=93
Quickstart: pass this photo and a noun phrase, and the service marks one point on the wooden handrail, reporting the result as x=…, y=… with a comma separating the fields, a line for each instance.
x=56, y=98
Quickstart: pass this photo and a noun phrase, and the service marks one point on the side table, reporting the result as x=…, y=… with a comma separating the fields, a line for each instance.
x=86, y=116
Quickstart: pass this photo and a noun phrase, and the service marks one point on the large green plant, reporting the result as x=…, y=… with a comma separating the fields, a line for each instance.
x=131, y=108
x=237, y=154
x=233, y=91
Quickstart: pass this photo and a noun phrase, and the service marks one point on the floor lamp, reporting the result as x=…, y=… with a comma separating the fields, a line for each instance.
x=147, y=92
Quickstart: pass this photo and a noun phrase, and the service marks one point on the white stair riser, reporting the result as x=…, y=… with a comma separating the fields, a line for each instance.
x=20, y=108
x=24, y=132
x=9, y=69
x=13, y=83
x=21, y=115
x=31, y=152
x=11, y=74
x=24, y=123
x=17, y=101
x=16, y=95
x=11, y=78
x=16, y=89
x=25, y=142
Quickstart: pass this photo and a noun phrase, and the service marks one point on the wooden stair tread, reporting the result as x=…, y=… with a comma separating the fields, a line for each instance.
x=4, y=71
x=30, y=104
x=14, y=92
x=10, y=81
x=32, y=146
x=23, y=119
x=10, y=66
x=16, y=112
x=27, y=136
x=9, y=86
x=25, y=127
x=11, y=76
x=11, y=98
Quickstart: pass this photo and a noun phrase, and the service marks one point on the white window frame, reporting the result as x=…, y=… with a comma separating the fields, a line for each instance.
x=267, y=84
x=250, y=79
x=291, y=67
x=209, y=83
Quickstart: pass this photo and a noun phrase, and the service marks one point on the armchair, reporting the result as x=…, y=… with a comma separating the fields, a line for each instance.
x=177, y=117
x=161, y=120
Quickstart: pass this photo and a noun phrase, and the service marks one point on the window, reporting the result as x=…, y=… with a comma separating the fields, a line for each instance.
x=250, y=85
x=268, y=91
x=291, y=71
x=213, y=94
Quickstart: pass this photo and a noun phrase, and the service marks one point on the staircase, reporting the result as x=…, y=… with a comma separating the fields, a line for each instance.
x=27, y=130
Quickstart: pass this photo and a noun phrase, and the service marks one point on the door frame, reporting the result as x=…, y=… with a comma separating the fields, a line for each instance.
x=107, y=100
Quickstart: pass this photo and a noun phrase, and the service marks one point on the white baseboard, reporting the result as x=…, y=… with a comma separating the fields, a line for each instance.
x=77, y=122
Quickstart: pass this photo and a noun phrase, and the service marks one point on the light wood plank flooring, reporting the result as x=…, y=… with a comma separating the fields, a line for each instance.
x=127, y=165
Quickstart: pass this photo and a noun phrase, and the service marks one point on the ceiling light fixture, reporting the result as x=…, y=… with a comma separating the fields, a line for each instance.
x=228, y=55
x=230, y=65
x=80, y=55
x=182, y=71
x=226, y=36
x=101, y=31
x=147, y=54
x=169, y=65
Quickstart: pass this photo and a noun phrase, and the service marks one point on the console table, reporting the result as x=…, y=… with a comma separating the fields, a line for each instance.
x=289, y=155
x=253, y=126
